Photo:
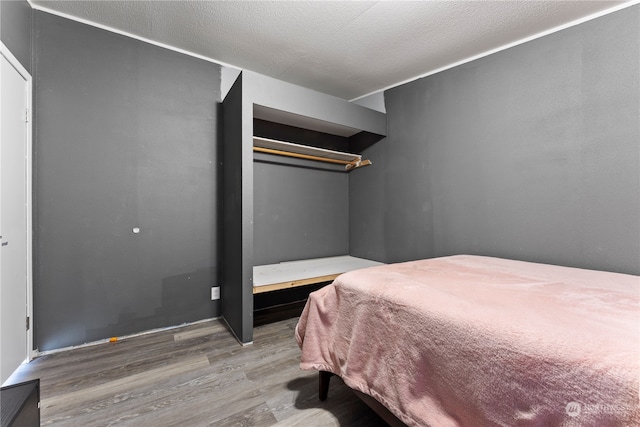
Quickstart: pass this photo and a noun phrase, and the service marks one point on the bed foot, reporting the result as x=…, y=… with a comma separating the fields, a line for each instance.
x=323, y=382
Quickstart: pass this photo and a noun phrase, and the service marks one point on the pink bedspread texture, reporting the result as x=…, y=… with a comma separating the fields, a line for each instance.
x=478, y=341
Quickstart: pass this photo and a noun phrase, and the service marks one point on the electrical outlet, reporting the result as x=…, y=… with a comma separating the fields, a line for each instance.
x=215, y=293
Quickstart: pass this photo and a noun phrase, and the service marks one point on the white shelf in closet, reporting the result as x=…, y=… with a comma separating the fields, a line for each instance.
x=291, y=274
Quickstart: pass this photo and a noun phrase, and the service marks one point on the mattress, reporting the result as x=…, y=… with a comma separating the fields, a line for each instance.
x=479, y=341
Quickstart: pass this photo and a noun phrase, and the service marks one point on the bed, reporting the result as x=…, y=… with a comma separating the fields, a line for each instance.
x=479, y=341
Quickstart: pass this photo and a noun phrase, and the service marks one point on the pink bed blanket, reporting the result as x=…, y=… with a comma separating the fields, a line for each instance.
x=478, y=341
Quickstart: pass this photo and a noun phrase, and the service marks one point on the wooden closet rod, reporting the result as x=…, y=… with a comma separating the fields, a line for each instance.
x=269, y=146
x=300, y=156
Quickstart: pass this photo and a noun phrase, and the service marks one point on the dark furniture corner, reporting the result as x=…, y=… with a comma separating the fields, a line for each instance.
x=20, y=404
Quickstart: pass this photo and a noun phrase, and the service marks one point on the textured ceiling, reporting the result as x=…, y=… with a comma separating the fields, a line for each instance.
x=343, y=48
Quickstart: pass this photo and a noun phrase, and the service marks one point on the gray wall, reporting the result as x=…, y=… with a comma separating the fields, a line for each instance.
x=300, y=211
x=15, y=30
x=126, y=136
x=300, y=207
x=532, y=153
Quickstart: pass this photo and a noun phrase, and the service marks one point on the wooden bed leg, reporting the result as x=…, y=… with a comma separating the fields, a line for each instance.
x=323, y=382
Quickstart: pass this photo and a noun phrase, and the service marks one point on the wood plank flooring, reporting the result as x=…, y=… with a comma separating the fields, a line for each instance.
x=197, y=375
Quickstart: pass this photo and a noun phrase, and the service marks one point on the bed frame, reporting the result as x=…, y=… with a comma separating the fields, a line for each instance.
x=324, y=378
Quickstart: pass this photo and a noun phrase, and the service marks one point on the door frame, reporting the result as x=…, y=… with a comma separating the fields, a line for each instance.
x=13, y=61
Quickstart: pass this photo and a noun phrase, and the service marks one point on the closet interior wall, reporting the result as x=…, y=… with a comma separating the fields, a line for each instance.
x=301, y=208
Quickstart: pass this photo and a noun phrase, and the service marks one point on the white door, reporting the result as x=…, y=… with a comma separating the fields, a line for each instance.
x=15, y=215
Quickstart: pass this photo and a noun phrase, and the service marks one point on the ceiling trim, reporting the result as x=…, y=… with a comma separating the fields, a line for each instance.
x=133, y=36
x=507, y=46
x=446, y=67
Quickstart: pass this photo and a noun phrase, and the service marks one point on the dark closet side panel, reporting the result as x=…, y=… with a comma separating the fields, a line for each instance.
x=232, y=290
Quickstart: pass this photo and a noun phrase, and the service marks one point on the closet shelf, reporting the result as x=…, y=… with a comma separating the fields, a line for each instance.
x=289, y=149
x=291, y=274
